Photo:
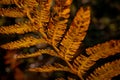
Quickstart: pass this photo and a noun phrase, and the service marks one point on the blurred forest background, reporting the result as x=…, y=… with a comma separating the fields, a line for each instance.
x=105, y=25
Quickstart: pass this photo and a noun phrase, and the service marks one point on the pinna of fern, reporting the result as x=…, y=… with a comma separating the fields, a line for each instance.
x=50, y=18
x=106, y=72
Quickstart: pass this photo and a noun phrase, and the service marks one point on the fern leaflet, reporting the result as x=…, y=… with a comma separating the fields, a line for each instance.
x=106, y=72
x=76, y=33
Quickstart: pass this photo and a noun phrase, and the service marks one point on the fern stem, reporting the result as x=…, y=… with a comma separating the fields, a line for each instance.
x=71, y=67
x=56, y=49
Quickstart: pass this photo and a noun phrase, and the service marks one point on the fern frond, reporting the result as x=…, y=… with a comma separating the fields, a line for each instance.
x=42, y=15
x=19, y=28
x=106, y=72
x=50, y=68
x=83, y=63
x=78, y=61
x=25, y=4
x=38, y=53
x=57, y=25
x=7, y=1
x=27, y=7
x=24, y=42
x=11, y=12
x=108, y=48
x=20, y=3
x=76, y=33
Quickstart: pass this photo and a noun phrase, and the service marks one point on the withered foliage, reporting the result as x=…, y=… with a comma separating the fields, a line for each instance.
x=50, y=19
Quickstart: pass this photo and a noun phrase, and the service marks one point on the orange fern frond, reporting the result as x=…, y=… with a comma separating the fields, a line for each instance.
x=76, y=33
x=106, y=72
x=25, y=4
x=27, y=7
x=38, y=53
x=19, y=28
x=58, y=21
x=41, y=16
x=7, y=1
x=108, y=48
x=24, y=42
x=50, y=20
x=50, y=68
x=78, y=61
x=83, y=63
x=12, y=12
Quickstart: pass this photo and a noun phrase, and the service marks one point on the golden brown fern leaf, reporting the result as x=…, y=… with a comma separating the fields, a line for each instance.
x=83, y=63
x=111, y=47
x=12, y=12
x=19, y=28
x=76, y=33
x=106, y=72
x=50, y=68
x=42, y=15
x=38, y=20
x=43, y=12
x=38, y=53
x=24, y=42
x=59, y=18
x=25, y=5
x=7, y=1
x=20, y=3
